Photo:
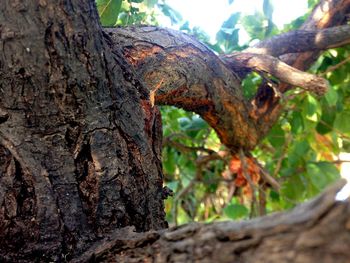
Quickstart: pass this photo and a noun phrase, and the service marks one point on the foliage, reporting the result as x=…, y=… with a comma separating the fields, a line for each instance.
x=126, y=12
x=300, y=151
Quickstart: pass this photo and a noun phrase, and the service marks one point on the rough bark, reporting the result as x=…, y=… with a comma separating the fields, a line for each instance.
x=80, y=143
x=80, y=138
x=317, y=231
x=178, y=70
x=185, y=73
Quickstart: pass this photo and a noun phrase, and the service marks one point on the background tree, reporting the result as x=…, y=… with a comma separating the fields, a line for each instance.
x=81, y=135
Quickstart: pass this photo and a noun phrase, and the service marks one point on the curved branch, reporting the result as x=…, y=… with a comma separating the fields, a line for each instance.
x=178, y=70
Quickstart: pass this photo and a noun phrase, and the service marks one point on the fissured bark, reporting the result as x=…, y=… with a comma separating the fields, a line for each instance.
x=80, y=144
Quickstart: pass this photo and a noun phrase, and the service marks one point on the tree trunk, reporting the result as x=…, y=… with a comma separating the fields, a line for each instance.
x=79, y=145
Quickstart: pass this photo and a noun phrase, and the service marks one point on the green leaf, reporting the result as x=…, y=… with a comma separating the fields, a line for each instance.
x=169, y=161
x=293, y=189
x=322, y=174
x=327, y=119
x=150, y=3
x=312, y=3
x=184, y=122
x=175, y=16
x=108, y=11
x=198, y=123
x=236, y=211
x=342, y=122
x=301, y=148
x=136, y=1
x=173, y=185
x=331, y=96
x=276, y=136
x=275, y=196
x=326, y=62
x=297, y=122
x=192, y=126
x=298, y=152
x=254, y=25
x=250, y=84
x=338, y=76
x=311, y=108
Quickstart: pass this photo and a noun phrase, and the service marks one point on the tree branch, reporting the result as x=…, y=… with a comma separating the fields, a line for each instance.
x=278, y=69
x=194, y=78
x=327, y=14
x=302, y=41
x=297, y=236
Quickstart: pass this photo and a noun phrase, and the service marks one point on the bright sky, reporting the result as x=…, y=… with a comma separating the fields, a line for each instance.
x=209, y=14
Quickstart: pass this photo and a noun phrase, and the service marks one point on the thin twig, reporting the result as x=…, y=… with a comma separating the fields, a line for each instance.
x=332, y=68
x=184, y=148
x=262, y=200
x=283, y=155
x=268, y=178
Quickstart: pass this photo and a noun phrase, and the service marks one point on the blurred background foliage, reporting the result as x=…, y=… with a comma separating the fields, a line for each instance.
x=301, y=151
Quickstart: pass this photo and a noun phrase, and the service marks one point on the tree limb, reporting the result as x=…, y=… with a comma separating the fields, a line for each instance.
x=298, y=41
x=316, y=231
x=278, y=69
x=195, y=79
x=327, y=14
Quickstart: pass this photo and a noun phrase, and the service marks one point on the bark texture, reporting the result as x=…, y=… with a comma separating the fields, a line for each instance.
x=80, y=139
x=178, y=70
x=183, y=72
x=80, y=145
x=317, y=231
